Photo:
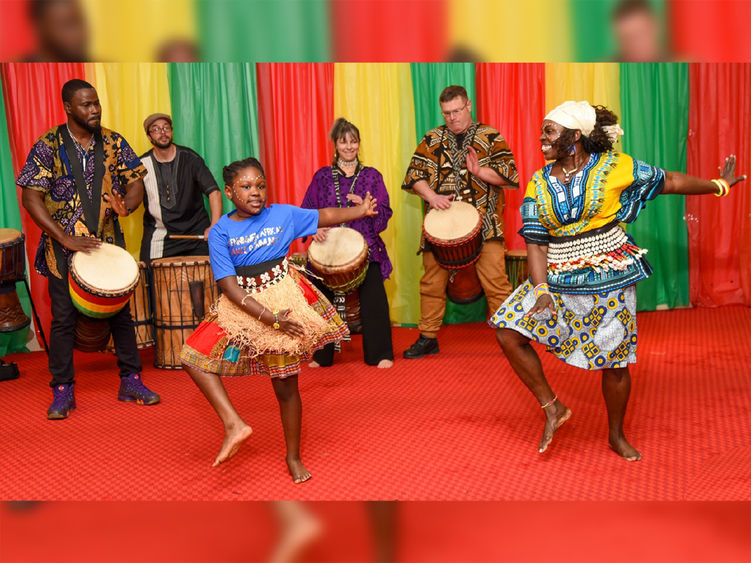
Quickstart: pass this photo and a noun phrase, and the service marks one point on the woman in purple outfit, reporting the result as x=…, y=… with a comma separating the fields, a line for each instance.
x=345, y=183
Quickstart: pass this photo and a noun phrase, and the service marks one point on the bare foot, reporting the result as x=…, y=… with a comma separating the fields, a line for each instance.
x=385, y=363
x=232, y=441
x=624, y=449
x=555, y=415
x=299, y=529
x=297, y=470
x=314, y=364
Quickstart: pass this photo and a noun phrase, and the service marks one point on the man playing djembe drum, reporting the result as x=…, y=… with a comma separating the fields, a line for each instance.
x=78, y=178
x=468, y=161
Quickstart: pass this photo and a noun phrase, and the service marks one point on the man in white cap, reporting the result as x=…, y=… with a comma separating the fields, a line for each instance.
x=173, y=197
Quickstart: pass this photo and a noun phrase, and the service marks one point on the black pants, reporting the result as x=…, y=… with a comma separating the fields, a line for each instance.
x=63, y=329
x=374, y=316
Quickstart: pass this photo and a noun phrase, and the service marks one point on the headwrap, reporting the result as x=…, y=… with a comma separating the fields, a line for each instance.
x=574, y=115
x=582, y=116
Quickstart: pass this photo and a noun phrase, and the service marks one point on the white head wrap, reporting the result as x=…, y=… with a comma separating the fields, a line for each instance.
x=574, y=115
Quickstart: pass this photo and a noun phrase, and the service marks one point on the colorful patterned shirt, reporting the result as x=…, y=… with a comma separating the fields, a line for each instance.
x=440, y=160
x=322, y=193
x=48, y=170
x=611, y=188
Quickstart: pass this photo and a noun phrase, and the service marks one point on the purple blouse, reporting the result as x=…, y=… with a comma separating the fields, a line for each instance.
x=321, y=193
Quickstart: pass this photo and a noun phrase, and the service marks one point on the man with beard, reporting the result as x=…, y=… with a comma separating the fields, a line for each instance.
x=175, y=185
x=77, y=180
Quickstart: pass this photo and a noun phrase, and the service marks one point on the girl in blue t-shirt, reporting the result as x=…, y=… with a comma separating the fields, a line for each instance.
x=269, y=318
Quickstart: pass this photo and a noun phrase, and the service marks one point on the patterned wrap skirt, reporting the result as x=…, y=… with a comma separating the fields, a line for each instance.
x=210, y=348
x=589, y=331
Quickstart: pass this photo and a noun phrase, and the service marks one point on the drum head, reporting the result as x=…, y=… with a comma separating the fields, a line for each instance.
x=453, y=223
x=9, y=235
x=342, y=246
x=108, y=269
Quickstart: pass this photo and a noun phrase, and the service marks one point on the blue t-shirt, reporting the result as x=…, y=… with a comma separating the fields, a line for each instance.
x=257, y=239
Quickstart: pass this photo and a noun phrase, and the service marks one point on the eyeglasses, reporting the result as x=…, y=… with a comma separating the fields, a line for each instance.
x=454, y=112
x=165, y=129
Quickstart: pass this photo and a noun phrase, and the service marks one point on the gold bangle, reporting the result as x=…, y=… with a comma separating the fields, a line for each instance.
x=261, y=313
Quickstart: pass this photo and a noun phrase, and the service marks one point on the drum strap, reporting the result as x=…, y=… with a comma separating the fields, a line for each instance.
x=91, y=202
x=459, y=155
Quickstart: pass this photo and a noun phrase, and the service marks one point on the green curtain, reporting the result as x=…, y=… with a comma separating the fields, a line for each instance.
x=592, y=33
x=264, y=30
x=654, y=102
x=10, y=218
x=215, y=112
x=428, y=80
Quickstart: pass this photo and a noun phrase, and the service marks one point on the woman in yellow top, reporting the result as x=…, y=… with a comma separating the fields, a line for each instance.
x=580, y=300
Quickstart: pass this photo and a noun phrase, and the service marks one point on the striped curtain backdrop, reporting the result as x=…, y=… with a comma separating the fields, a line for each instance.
x=673, y=115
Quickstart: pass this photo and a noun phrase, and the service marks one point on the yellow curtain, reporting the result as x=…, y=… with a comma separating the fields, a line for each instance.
x=377, y=97
x=128, y=93
x=510, y=31
x=597, y=83
x=136, y=30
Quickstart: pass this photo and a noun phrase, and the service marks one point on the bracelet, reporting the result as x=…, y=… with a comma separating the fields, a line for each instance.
x=276, y=320
x=541, y=289
x=723, y=188
x=261, y=313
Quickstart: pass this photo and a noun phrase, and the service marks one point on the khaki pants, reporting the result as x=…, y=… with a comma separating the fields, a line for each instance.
x=491, y=271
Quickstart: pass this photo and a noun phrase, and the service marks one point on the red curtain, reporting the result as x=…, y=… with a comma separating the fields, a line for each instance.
x=33, y=105
x=710, y=31
x=296, y=111
x=511, y=98
x=719, y=229
x=389, y=30
x=17, y=36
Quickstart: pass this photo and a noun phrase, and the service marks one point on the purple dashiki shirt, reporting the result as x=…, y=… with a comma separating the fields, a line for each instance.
x=321, y=193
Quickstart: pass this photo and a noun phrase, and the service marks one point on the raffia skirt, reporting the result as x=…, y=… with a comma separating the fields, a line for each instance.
x=589, y=331
x=230, y=342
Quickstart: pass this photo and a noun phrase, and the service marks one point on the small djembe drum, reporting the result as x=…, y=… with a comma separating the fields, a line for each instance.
x=100, y=283
x=455, y=237
x=12, y=270
x=342, y=262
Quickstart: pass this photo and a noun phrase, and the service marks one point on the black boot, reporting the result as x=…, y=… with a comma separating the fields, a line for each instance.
x=422, y=347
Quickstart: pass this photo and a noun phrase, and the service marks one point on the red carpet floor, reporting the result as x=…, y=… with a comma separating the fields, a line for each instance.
x=456, y=426
x=217, y=532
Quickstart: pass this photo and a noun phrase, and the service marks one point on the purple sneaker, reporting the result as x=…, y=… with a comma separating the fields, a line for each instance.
x=63, y=402
x=133, y=390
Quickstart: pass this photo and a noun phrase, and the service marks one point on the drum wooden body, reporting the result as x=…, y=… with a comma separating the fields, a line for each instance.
x=454, y=234
x=12, y=259
x=91, y=335
x=184, y=289
x=516, y=267
x=102, y=281
x=341, y=260
x=12, y=270
x=141, y=310
x=464, y=286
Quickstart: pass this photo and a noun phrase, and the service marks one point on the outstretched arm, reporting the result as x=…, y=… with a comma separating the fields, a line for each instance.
x=677, y=183
x=329, y=216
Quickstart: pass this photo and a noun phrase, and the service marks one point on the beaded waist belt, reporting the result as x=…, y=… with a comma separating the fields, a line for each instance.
x=606, y=248
x=253, y=282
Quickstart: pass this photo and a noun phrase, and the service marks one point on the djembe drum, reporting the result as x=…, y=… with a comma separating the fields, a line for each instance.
x=12, y=270
x=141, y=311
x=455, y=237
x=184, y=289
x=516, y=267
x=342, y=262
x=100, y=284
